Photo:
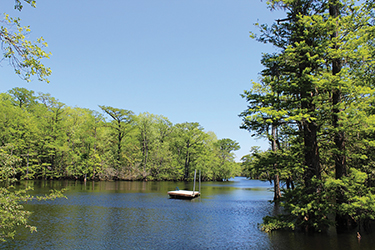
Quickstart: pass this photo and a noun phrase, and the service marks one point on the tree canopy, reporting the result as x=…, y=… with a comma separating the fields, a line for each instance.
x=314, y=104
x=54, y=141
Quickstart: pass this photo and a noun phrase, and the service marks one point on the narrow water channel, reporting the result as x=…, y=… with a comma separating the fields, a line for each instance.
x=139, y=215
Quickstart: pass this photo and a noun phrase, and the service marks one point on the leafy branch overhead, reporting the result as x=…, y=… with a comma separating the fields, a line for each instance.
x=23, y=55
x=18, y=4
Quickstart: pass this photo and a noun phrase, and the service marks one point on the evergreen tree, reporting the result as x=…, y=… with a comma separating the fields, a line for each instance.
x=314, y=78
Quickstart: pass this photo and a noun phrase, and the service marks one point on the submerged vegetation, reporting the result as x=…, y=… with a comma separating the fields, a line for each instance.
x=315, y=104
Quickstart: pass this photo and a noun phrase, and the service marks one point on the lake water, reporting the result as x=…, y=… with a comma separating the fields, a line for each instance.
x=139, y=215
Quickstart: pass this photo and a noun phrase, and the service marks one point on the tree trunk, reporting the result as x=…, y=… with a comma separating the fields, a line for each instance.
x=343, y=221
x=276, y=179
x=311, y=154
x=27, y=164
x=93, y=171
x=119, y=146
x=187, y=160
x=339, y=138
x=307, y=95
x=144, y=152
x=277, y=194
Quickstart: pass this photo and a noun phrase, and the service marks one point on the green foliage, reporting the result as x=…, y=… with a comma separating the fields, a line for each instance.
x=359, y=200
x=12, y=213
x=53, y=141
x=275, y=223
x=314, y=103
x=23, y=55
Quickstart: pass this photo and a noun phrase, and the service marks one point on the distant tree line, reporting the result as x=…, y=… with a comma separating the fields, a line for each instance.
x=54, y=141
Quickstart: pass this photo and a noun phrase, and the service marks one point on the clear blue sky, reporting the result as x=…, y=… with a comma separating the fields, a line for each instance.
x=188, y=60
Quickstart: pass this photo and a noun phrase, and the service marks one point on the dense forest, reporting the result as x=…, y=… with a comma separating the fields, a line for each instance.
x=315, y=104
x=42, y=138
x=54, y=141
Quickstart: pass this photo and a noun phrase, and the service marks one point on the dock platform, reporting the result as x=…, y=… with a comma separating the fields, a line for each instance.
x=183, y=194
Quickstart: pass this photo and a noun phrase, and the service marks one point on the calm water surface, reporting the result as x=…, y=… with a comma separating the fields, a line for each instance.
x=139, y=215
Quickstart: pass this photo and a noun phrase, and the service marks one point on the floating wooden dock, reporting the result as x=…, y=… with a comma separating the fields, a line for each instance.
x=185, y=194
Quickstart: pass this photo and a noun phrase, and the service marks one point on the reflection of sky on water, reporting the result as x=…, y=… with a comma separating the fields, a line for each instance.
x=137, y=215
x=240, y=188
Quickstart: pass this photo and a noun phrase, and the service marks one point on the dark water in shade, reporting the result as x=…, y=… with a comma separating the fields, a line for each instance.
x=139, y=215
